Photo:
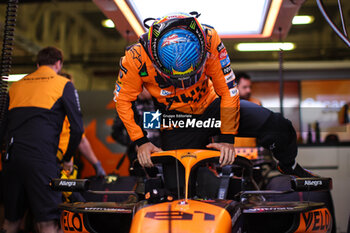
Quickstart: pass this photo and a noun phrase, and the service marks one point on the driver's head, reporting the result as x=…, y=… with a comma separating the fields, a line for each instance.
x=244, y=85
x=177, y=49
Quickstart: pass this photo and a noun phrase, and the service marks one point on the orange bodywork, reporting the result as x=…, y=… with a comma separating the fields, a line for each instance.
x=194, y=216
x=317, y=221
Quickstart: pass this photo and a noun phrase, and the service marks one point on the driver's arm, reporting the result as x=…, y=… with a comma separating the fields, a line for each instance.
x=218, y=68
x=128, y=87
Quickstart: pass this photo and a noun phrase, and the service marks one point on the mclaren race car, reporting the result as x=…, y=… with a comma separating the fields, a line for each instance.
x=237, y=204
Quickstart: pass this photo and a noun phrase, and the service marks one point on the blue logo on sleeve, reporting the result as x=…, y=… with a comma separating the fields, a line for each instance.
x=151, y=120
x=118, y=88
x=225, y=62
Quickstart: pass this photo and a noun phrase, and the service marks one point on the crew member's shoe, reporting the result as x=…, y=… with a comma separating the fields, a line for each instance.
x=295, y=170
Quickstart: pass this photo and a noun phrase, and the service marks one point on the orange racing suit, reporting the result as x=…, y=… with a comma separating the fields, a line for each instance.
x=137, y=70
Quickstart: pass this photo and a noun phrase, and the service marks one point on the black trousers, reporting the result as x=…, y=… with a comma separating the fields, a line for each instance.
x=272, y=131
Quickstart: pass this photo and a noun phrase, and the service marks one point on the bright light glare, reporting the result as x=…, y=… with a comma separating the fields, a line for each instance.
x=15, y=77
x=227, y=17
x=129, y=15
x=249, y=47
x=107, y=23
x=303, y=19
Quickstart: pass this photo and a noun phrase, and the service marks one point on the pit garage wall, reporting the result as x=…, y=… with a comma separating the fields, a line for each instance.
x=332, y=162
x=306, y=102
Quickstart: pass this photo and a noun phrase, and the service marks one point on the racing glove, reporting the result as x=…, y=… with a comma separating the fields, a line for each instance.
x=295, y=170
x=99, y=169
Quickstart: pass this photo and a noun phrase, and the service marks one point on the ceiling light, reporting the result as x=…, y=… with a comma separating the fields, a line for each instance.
x=129, y=15
x=229, y=18
x=15, y=77
x=271, y=46
x=107, y=23
x=303, y=19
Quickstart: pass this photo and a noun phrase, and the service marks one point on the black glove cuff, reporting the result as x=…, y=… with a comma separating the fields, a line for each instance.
x=141, y=141
x=66, y=158
x=228, y=138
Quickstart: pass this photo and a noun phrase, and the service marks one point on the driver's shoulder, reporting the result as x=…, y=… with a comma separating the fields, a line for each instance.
x=136, y=55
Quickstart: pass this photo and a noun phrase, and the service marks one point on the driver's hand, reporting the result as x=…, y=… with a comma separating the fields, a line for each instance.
x=227, y=155
x=144, y=154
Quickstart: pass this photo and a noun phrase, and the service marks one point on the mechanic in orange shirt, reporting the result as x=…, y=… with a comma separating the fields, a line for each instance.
x=37, y=106
x=186, y=68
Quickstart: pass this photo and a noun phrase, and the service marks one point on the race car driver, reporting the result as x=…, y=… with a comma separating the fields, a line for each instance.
x=186, y=68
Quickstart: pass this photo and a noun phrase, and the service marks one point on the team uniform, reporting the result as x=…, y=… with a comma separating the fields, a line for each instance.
x=213, y=96
x=186, y=68
x=62, y=149
x=137, y=70
x=255, y=101
x=247, y=141
x=64, y=139
x=38, y=105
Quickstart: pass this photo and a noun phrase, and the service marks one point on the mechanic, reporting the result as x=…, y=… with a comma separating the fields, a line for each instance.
x=37, y=107
x=185, y=67
x=244, y=86
x=84, y=146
